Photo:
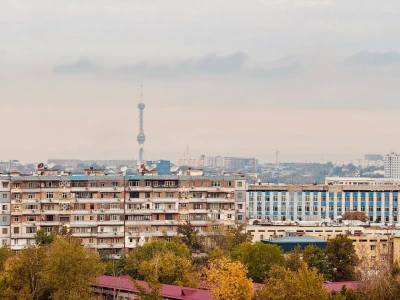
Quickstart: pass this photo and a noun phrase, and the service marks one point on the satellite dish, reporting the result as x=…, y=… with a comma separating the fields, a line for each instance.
x=41, y=165
x=152, y=167
x=180, y=172
x=123, y=169
x=174, y=169
x=50, y=166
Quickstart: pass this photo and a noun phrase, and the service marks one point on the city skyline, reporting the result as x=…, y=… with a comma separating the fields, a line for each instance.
x=314, y=79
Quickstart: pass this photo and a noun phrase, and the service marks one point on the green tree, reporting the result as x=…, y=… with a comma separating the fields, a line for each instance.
x=259, y=258
x=315, y=257
x=190, y=236
x=283, y=284
x=294, y=259
x=70, y=269
x=341, y=259
x=43, y=238
x=152, y=292
x=235, y=236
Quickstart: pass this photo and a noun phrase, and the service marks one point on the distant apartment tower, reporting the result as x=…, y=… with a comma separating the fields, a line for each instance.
x=392, y=165
x=373, y=157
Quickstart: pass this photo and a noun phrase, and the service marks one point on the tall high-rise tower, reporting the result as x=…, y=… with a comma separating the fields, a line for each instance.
x=141, y=137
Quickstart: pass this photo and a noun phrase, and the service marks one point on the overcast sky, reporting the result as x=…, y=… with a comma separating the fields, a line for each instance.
x=313, y=78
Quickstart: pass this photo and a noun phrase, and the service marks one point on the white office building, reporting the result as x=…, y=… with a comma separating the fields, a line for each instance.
x=392, y=165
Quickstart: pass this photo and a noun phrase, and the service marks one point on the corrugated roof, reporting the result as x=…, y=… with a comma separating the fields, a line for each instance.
x=296, y=239
x=168, y=291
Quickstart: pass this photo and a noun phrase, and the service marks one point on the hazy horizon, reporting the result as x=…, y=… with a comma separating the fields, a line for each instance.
x=315, y=79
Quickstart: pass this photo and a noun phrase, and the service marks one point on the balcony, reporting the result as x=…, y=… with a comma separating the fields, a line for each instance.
x=220, y=200
x=109, y=234
x=198, y=211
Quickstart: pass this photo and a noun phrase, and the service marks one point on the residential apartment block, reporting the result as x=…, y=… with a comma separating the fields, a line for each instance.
x=5, y=211
x=115, y=213
x=392, y=165
x=277, y=202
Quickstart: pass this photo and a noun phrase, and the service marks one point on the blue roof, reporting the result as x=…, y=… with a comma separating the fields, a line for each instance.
x=290, y=243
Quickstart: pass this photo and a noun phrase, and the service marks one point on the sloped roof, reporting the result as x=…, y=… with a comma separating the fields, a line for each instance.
x=170, y=291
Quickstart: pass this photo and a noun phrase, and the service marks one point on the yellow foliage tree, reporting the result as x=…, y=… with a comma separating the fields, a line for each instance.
x=228, y=280
x=70, y=269
x=22, y=278
x=284, y=284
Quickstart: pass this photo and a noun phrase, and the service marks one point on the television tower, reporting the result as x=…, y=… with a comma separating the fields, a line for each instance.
x=141, y=137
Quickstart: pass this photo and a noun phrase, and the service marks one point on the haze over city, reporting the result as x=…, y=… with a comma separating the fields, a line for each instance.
x=315, y=79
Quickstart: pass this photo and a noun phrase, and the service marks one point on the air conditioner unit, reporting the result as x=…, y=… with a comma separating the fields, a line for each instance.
x=115, y=188
x=87, y=189
x=43, y=210
x=50, y=200
x=102, y=210
x=119, y=199
x=129, y=188
x=218, y=188
x=91, y=210
x=33, y=210
x=115, y=233
x=37, y=200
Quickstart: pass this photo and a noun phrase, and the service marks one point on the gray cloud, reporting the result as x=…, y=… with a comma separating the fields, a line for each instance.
x=235, y=63
x=373, y=58
x=81, y=66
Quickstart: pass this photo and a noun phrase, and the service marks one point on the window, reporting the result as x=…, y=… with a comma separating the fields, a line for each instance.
x=4, y=230
x=114, y=206
x=147, y=194
x=49, y=184
x=103, y=184
x=148, y=183
x=157, y=195
x=16, y=230
x=115, y=183
x=31, y=206
x=169, y=195
x=169, y=183
x=93, y=184
x=30, y=229
x=240, y=195
x=101, y=218
x=4, y=196
x=64, y=195
x=114, y=218
x=64, y=218
x=30, y=218
x=16, y=219
x=4, y=207
x=5, y=185
x=78, y=218
x=215, y=183
x=198, y=206
x=32, y=184
x=114, y=229
x=17, y=196
x=49, y=195
x=170, y=228
x=229, y=216
x=134, y=183
x=91, y=218
x=240, y=206
x=90, y=240
x=239, y=184
x=155, y=183
x=229, y=183
x=17, y=185
x=240, y=218
x=101, y=241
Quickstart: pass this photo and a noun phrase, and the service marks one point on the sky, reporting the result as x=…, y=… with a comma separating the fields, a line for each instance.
x=316, y=79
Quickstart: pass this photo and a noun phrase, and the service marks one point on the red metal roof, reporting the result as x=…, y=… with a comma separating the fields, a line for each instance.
x=124, y=283
x=337, y=286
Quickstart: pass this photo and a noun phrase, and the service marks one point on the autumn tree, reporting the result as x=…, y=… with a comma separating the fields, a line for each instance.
x=70, y=269
x=166, y=262
x=284, y=284
x=341, y=259
x=151, y=292
x=259, y=258
x=5, y=253
x=23, y=274
x=355, y=215
x=228, y=280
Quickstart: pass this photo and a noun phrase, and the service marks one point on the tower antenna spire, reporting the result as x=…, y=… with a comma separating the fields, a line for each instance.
x=141, y=138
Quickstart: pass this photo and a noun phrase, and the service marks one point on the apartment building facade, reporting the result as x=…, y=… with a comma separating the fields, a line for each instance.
x=5, y=210
x=322, y=202
x=115, y=213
